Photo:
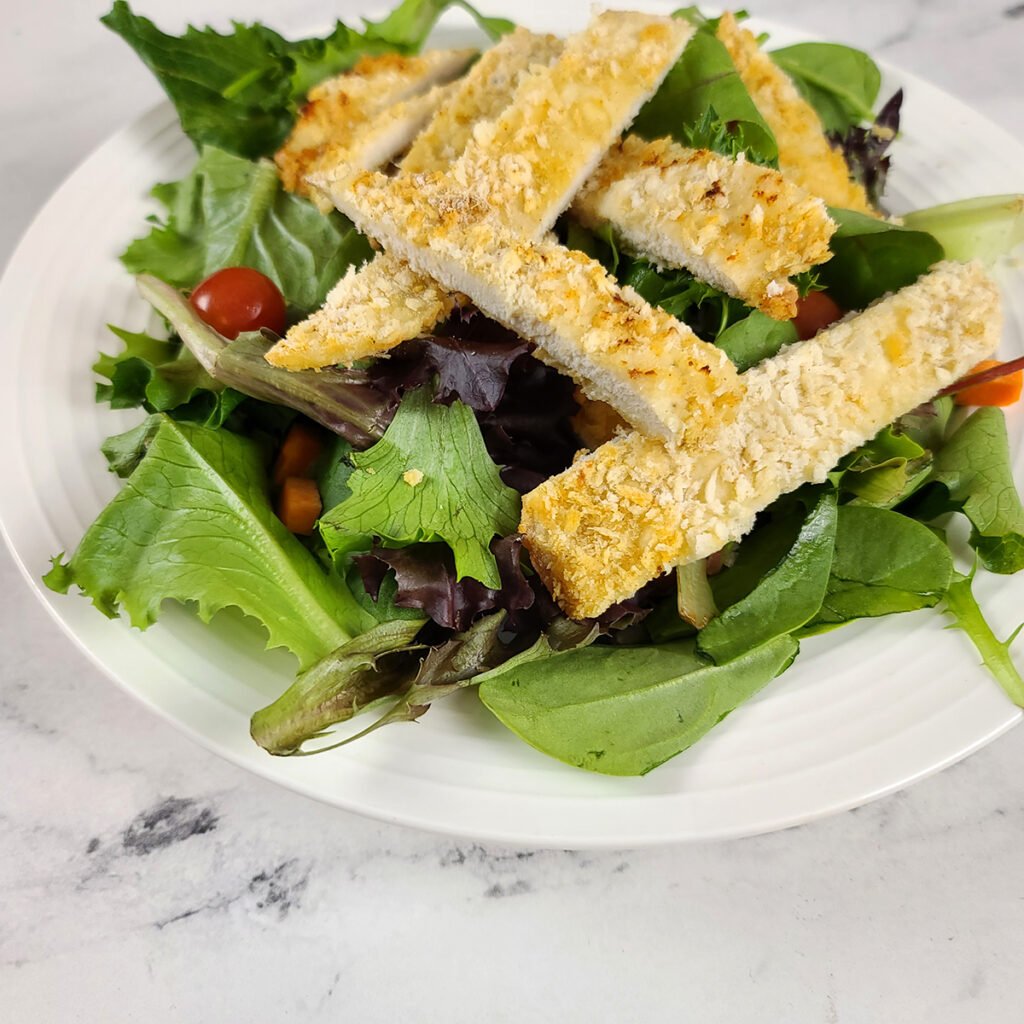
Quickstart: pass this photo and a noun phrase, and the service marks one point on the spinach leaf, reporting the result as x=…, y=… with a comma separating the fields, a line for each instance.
x=974, y=468
x=974, y=229
x=240, y=90
x=962, y=605
x=884, y=563
x=839, y=82
x=626, y=710
x=232, y=212
x=788, y=596
x=705, y=78
x=872, y=257
x=754, y=338
x=429, y=478
x=198, y=498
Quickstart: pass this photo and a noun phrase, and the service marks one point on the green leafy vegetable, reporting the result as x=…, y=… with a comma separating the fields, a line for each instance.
x=962, y=605
x=336, y=398
x=626, y=710
x=788, y=596
x=884, y=471
x=884, y=563
x=754, y=338
x=162, y=376
x=974, y=468
x=974, y=229
x=240, y=90
x=839, y=82
x=872, y=257
x=193, y=524
x=428, y=479
x=705, y=78
x=348, y=680
x=232, y=212
x=124, y=451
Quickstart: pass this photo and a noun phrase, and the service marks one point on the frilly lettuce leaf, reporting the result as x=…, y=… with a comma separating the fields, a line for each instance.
x=428, y=479
x=193, y=524
x=230, y=212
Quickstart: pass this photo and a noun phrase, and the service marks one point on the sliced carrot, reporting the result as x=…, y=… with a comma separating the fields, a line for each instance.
x=991, y=388
x=299, y=505
x=300, y=449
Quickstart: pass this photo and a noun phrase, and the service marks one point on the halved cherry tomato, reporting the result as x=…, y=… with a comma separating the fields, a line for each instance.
x=238, y=299
x=814, y=312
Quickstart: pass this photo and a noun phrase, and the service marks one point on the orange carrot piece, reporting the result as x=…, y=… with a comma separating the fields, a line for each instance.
x=1002, y=390
x=300, y=449
x=299, y=505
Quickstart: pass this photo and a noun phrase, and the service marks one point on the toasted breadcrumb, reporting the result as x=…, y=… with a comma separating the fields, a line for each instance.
x=524, y=166
x=636, y=507
x=339, y=105
x=372, y=310
x=738, y=226
x=639, y=359
x=805, y=154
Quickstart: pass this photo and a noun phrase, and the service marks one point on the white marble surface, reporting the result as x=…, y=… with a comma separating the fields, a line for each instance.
x=141, y=878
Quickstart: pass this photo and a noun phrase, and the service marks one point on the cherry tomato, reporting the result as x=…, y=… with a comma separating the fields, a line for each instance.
x=814, y=312
x=238, y=299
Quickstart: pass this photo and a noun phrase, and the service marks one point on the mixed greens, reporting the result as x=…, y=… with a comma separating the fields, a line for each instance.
x=411, y=588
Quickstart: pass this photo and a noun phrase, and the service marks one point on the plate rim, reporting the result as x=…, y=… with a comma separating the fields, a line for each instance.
x=267, y=768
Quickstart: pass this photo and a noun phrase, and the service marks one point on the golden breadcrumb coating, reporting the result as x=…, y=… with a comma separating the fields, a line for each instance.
x=739, y=226
x=805, y=154
x=636, y=507
x=335, y=108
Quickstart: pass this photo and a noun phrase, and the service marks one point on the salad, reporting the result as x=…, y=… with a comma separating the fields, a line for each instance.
x=587, y=375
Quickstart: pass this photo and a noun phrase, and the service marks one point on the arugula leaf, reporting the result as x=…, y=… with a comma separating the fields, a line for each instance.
x=626, y=710
x=428, y=479
x=967, y=615
x=974, y=468
x=884, y=563
x=839, y=82
x=193, y=524
x=351, y=679
x=983, y=229
x=232, y=212
x=162, y=376
x=788, y=596
x=240, y=90
x=872, y=257
x=705, y=77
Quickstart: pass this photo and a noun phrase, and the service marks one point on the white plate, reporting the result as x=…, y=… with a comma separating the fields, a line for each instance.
x=863, y=712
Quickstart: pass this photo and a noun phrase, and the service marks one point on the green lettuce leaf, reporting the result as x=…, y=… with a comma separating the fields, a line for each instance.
x=974, y=468
x=240, y=90
x=162, y=376
x=193, y=524
x=626, y=710
x=788, y=595
x=885, y=471
x=839, y=82
x=884, y=563
x=233, y=212
x=974, y=229
x=705, y=78
x=872, y=257
x=428, y=479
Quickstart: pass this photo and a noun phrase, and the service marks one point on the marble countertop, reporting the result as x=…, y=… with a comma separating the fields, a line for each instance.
x=142, y=878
